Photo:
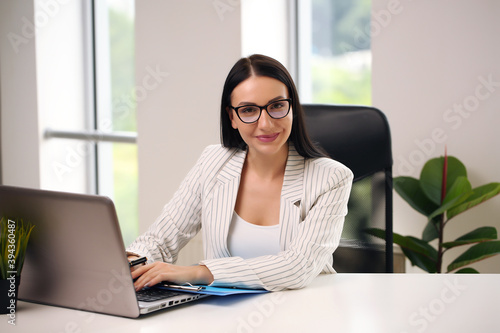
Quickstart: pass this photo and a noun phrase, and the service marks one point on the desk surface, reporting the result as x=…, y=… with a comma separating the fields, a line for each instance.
x=341, y=303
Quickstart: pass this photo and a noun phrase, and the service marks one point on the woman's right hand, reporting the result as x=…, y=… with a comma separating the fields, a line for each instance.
x=154, y=273
x=133, y=268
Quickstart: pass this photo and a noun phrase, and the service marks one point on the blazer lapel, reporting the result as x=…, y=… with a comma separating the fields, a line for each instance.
x=294, y=175
x=226, y=191
x=291, y=195
x=224, y=198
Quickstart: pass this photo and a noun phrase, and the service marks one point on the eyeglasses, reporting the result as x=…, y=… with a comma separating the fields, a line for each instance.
x=251, y=113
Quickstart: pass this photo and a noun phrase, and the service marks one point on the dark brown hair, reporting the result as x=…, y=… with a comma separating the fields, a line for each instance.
x=260, y=65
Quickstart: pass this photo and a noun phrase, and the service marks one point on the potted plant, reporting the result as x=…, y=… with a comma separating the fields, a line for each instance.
x=14, y=236
x=443, y=192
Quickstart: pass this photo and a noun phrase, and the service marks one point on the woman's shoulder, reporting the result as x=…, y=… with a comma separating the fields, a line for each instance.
x=217, y=152
x=215, y=157
x=329, y=166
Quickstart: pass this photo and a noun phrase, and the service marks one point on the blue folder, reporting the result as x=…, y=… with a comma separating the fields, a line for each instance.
x=208, y=290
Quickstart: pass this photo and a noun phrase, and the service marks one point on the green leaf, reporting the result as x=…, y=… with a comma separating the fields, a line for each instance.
x=479, y=195
x=431, y=176
x=478, y=235
x=476, y=253
x=467, y=270
x=420, y=260
x=416, y=245
x=450, y=204
x=431, y=230
x=417, y=251
x=379, y=233
x=410, y=190
x=21, y=233
x=458, y=189
x=458, y=193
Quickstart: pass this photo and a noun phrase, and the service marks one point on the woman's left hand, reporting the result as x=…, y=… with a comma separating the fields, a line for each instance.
x=149, y=275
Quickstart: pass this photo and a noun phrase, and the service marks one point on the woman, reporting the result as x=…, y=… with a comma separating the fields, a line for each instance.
x=270, y=204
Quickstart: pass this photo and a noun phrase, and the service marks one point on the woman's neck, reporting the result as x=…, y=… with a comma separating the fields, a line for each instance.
x=267, y=166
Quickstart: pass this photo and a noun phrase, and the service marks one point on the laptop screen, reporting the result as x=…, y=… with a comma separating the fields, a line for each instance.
x=76, y=256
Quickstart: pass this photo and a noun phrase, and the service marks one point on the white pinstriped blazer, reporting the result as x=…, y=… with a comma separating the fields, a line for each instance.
x=313, y=206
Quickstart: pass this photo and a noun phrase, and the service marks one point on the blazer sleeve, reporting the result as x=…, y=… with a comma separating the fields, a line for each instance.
x=179, y=221
x=313, y=242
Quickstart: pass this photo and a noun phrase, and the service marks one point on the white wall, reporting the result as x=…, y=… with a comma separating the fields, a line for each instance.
x=427, y=57
x=19, y=121
x=191, y=45
x=63, y=94
x=431, y=58
x=39, y=37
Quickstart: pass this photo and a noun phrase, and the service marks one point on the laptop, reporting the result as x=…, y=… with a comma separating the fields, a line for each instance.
x=76, y=256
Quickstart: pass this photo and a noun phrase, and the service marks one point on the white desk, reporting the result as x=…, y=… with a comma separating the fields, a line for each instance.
x=335, y=303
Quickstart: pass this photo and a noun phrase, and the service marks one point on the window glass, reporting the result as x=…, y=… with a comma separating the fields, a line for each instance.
x=125, y=187
x=116, y=109
x=334, y=55
x=94, y=66
x=121, y=41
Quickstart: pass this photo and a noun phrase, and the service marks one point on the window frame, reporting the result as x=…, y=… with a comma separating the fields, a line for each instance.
x=97, y=127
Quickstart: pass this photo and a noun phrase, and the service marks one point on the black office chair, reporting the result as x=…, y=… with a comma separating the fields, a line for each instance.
x=359, y=137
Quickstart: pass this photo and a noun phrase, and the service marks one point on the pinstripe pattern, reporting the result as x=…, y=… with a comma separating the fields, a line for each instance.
x=312, y=210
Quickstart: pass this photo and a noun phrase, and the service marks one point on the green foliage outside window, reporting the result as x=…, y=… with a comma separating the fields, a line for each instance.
x=340, y=59
x=125, y=169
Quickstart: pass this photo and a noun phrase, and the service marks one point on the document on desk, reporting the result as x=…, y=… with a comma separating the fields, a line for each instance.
x=208, y=290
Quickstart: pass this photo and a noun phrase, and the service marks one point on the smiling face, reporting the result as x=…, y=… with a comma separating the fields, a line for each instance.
x=266, y=136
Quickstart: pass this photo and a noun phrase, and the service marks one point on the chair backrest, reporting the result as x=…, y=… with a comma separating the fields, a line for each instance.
x=359, y=137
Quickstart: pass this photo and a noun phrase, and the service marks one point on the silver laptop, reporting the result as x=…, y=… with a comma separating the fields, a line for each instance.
x=76, y=256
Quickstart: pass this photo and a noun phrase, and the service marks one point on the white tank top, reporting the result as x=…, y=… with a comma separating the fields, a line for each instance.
x=248, y=240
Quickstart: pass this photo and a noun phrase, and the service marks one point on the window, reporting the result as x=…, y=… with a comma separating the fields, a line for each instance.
x=334, y=58
x=90, y=135
x=334, y=67
x=117, y=174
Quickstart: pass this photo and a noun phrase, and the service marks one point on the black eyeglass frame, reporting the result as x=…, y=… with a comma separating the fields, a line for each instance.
x=289, y=100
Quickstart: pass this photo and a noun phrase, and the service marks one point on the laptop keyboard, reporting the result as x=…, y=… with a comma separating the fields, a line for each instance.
x=154, y=294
